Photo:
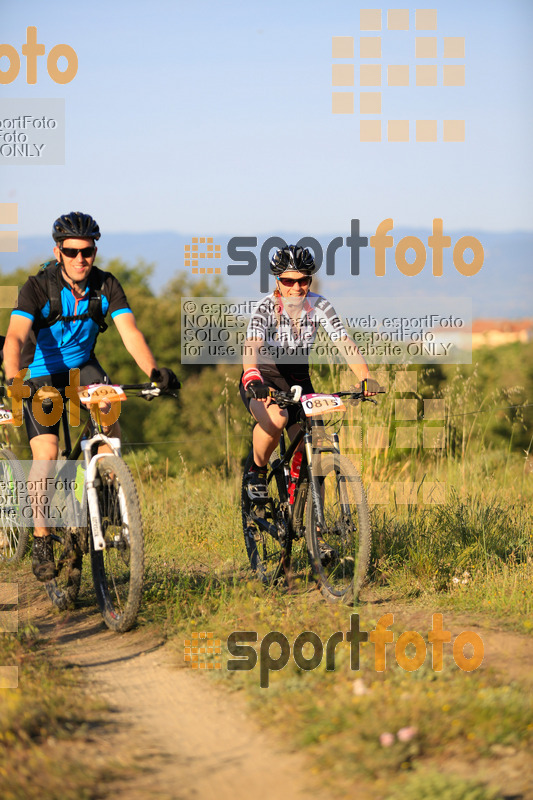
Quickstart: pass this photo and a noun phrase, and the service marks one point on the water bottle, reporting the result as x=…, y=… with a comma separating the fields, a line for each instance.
x=294, y=474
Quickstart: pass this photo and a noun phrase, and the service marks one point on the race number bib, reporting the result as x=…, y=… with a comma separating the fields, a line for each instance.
x=321, y=404
x=101, y=393
x=6, y=417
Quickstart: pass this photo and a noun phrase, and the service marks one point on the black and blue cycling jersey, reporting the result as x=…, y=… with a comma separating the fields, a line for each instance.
x=67, y=343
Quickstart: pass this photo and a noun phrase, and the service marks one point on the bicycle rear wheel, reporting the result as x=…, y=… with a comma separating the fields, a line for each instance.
x=118, y=570
x=14, y=508
x=340, y=549
x=266, y=534
x=68, y=557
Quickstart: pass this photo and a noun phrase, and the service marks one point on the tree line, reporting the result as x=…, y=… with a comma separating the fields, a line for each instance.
x=207, y=426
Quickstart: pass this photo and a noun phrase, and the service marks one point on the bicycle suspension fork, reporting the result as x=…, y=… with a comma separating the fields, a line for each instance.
x=313, y=466
x=87, y=446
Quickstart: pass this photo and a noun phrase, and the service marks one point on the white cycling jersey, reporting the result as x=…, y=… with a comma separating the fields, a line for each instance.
x=286, y=339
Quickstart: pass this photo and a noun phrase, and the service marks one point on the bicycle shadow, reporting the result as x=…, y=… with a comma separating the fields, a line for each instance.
x=83, y=639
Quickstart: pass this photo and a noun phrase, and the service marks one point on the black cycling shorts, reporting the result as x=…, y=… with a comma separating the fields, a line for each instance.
x=90, y=372
x=293, y=410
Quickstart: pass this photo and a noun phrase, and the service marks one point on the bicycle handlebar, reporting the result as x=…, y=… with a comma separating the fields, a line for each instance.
x=293, y=397
x=145, y=390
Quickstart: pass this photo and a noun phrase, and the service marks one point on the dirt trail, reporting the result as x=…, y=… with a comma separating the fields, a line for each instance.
x=190, y=739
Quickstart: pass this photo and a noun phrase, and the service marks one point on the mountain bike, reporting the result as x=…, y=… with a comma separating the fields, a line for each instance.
x=329, y=509
x=111, y=529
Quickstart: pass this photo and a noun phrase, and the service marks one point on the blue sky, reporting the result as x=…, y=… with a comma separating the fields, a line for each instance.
x=215, y=117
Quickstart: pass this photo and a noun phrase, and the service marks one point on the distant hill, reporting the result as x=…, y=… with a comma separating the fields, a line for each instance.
x=503, y=287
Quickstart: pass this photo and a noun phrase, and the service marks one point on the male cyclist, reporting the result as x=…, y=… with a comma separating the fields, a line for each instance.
x=286, y=322
x=53, y=329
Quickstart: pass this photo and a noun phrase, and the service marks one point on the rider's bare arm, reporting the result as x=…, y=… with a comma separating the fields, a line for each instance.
x=17, y=333
x=353, y=357
x=251, y=355
x=134, y=342
x=355, y=361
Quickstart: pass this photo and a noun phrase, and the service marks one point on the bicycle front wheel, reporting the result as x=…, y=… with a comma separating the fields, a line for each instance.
x=118, y=570
x=339, y=547
x=14, y=508
x=266, y=534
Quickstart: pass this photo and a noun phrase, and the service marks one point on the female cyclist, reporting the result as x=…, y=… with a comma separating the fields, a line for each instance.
x=279, y=339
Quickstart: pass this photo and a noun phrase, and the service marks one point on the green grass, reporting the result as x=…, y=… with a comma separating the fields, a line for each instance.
x=469, y=557
x=431, y=785
x=198, y=580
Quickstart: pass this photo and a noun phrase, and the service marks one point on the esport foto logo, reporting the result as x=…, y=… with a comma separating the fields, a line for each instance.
x=410, y=253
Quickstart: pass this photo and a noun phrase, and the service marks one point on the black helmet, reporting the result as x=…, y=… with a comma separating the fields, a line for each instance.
x=75, y=226
x=294, y=258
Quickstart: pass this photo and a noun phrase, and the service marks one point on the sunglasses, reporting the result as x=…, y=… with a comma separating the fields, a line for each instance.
x=72, y=252
x=293, y=281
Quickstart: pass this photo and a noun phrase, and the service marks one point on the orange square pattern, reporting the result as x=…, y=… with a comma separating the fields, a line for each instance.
x=192, y=254
x=370, y=75
x=195, y=647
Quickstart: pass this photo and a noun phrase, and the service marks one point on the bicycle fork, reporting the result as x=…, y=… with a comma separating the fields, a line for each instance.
x=90, y=482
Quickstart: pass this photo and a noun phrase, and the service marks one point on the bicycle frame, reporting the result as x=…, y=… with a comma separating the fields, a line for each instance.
x=312, y=451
